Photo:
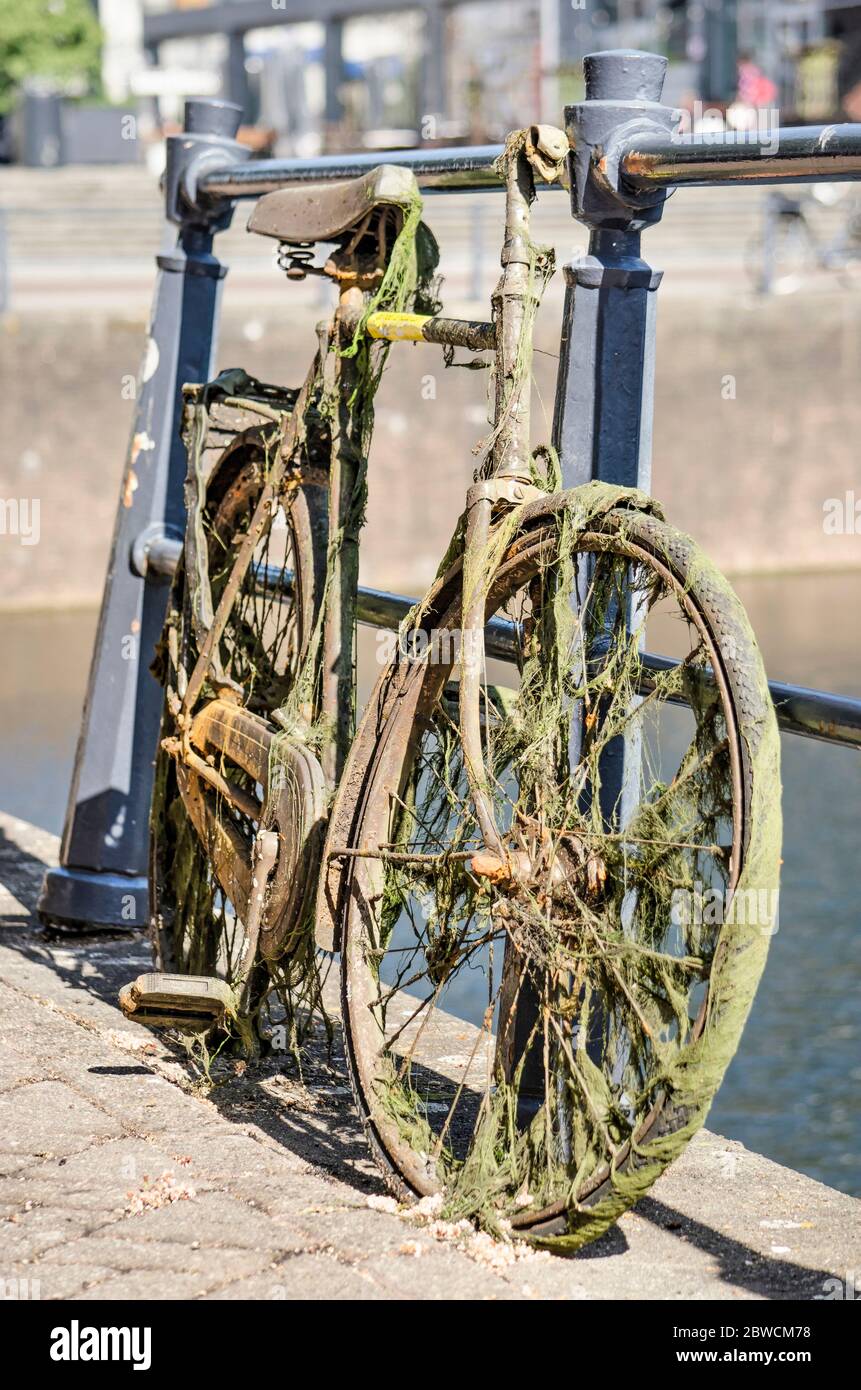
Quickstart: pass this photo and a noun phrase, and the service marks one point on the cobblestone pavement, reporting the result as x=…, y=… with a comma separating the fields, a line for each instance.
x=122, y=1175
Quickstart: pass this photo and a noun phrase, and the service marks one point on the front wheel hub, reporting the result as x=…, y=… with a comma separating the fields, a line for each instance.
x=553, y=866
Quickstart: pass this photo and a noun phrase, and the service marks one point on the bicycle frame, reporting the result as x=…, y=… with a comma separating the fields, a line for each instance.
x=626, y=155
x=507, y=477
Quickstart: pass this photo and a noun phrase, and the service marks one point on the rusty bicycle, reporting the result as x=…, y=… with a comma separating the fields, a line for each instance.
x=535, y=827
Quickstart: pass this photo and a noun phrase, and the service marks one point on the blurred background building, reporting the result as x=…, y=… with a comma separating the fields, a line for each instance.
x=312, y=75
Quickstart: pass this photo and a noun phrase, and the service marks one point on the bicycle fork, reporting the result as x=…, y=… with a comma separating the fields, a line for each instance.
x=510, y=484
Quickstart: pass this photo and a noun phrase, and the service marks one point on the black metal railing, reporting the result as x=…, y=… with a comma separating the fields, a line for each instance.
x=798, y=154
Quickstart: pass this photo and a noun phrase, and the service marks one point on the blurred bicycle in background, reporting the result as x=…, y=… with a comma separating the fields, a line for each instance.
x=793, y=240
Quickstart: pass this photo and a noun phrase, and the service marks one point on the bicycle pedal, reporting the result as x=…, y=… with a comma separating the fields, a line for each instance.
x=192, y=1003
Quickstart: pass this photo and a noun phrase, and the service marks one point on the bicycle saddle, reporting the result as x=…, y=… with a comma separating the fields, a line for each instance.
x=327, y=211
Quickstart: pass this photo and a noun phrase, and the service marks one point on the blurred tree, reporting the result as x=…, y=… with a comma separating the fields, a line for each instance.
x=55, y=39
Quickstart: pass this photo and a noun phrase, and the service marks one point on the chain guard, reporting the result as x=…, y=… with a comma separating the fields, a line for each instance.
x=293, y=804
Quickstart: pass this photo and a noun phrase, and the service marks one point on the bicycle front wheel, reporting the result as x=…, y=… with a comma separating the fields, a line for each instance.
x=536, y=1039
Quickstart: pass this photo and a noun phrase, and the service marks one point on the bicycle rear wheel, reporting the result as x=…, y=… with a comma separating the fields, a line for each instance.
x=207, y=813
x=537, y=1041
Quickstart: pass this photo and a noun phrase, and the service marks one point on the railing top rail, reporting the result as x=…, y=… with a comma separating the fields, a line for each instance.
x=795, y=154
x=459, y=169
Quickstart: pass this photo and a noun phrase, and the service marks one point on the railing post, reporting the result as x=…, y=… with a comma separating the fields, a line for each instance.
x=603, y=417
x=333, y=73
x=602, y=425
x=102, y=878
x=433, y=67
x=603, y=411
x=236, y=73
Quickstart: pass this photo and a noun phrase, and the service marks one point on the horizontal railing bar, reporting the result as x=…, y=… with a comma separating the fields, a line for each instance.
x=798, y=154
x=809, y=713
x=457, y=170
x=815, y=714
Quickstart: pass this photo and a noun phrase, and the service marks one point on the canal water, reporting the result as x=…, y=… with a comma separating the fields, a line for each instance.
x=794, y=1089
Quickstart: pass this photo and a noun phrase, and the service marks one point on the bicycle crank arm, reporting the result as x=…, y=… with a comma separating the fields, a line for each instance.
x=222, y=838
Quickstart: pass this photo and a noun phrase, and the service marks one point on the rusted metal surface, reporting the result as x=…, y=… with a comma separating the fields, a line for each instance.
x=260, y=905
x=225, y=843
x=510, y=301
x=513, y=301
x=475, y=335
x=479, y=508
x=292, y=811
x=232, y=794
x=338, y=655
x=509, y=465
x=242, y=737
x=335, y=876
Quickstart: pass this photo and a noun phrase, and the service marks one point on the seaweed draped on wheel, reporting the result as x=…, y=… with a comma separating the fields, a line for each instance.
x=642, y=995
